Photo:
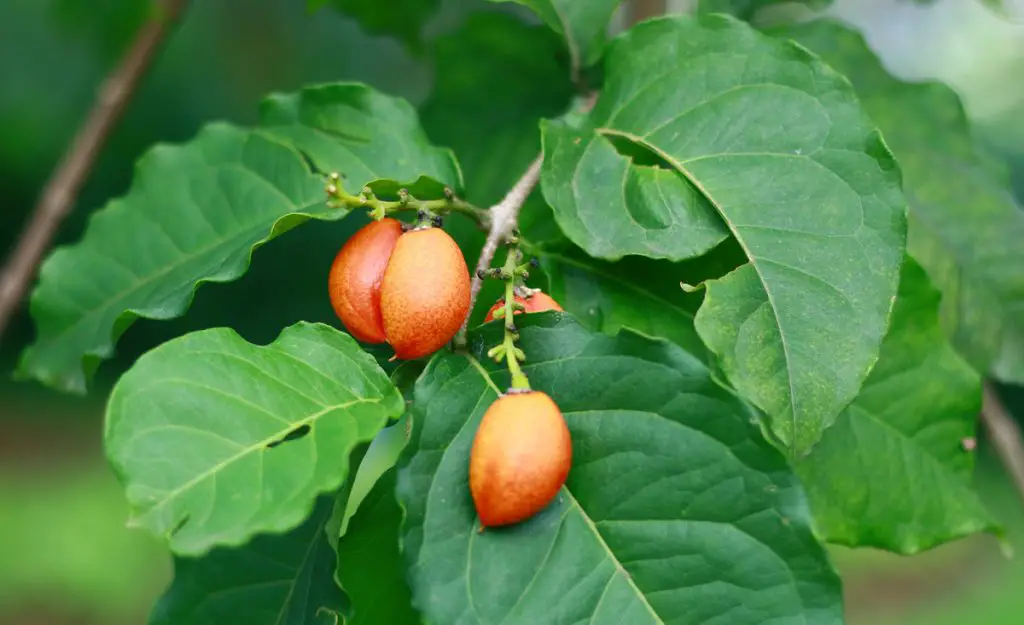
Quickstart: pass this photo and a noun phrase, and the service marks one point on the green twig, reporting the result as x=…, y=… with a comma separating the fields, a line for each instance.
x=513, y=274
x=338, y=197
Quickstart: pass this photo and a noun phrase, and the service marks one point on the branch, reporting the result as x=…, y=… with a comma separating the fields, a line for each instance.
x=1005, y=434
x=62, y=188
x=504, y=217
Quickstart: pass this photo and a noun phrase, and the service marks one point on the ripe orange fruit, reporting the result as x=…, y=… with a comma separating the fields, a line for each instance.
x=355, y=278
x=520, y=458
x=424, y=297
x=538, y=302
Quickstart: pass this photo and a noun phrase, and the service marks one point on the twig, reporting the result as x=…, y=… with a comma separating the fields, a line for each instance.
x=62, y=188
x=1005, y=434
x=504, y=216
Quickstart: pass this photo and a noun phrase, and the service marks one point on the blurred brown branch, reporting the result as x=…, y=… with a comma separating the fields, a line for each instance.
x=1005, y=434
x=62, y=188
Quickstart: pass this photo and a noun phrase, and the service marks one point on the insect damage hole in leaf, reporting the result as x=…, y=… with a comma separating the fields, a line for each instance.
x=295, y=434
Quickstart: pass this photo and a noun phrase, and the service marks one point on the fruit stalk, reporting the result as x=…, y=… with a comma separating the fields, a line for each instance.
x=513, y=275
x=340, y=198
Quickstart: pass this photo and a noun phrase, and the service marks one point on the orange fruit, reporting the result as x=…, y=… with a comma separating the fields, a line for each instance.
x=355, y=278
x=538, y=302
x=520, y=458
x=424, y=297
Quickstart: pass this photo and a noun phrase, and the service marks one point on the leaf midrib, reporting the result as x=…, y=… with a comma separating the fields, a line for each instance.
x=746, y=250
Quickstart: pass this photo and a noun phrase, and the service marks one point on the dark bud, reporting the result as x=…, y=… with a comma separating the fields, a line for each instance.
x=421, y=215
x=437, y=221
x=534, y=263
x=512, y=328
x=482, y=274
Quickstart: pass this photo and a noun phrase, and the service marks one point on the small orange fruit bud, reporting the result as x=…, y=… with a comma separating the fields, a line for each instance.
x=355, y=278
x=424, y=297
x=538, y=302
x=520, y=458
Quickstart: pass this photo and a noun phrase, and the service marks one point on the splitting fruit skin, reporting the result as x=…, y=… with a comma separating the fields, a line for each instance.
x=538, y=302
x=355, y=278
x=425, y=294
x=520, y=458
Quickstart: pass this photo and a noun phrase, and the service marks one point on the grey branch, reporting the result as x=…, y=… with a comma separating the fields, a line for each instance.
x=1005, y=435
x=504, y=217
x=62, y=188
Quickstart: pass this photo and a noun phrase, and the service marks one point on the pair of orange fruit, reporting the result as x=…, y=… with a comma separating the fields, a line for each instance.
x=411, y=289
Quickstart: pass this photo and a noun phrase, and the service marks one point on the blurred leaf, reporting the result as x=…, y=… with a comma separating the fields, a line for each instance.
x=282, y=579
x=676, y=510
x=361, y=133
x=747, y=9
x=584, y=25
x=892, y=472
x=370, y=566
x=216, y=439
x=109, y=24
x=777, y=143
x=965, y=228
x=194, y=214
x=495, y=78
x=402, y=19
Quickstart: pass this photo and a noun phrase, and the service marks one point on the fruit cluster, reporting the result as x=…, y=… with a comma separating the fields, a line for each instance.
x=409, y=286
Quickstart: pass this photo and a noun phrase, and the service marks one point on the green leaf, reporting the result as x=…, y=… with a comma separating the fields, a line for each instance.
x=216, y=439
x=194, y=214
x=280, y=579
x=402, y=19
x=747, y=9
x=893, y=471
x=370, y=566
x=676, y=510
x=584, y=25
x=362, y=134
x=635, y=293
x=965, y=228
x=777, y=143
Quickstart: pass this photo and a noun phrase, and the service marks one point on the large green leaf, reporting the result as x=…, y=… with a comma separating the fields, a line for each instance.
x=280, y=579
x=965, y=228
x=584, y=25
x=777, y=143
x=194, y=214
x=676, y=510
x=370, y=565
x=216, y=439
x=402, y=19
x=893, y=471
x=362, y=134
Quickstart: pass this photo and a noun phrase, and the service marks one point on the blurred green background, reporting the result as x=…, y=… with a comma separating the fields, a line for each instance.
x=65, y=554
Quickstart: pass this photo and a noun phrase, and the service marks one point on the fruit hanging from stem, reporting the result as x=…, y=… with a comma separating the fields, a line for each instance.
x=536, y=301
x=520, y=458
x=425, y=293
x=355, y=278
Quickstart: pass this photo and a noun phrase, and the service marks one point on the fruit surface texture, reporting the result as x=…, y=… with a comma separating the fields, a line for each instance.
x=520, y=458
x=356, y=275
x=425, y=295
x=538, y=302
